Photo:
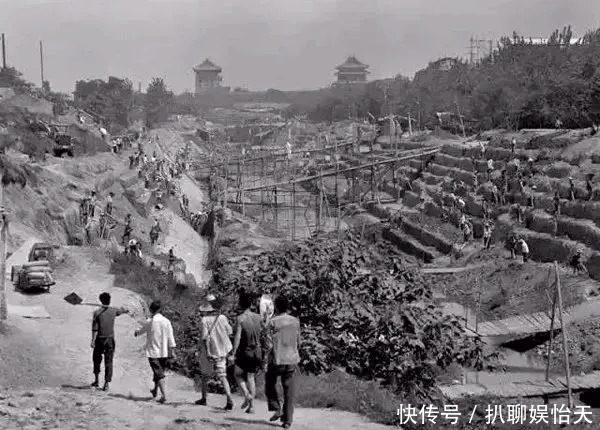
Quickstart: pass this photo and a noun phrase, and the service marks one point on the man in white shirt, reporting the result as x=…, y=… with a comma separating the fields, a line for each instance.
x=160, y=342
x=524, y=250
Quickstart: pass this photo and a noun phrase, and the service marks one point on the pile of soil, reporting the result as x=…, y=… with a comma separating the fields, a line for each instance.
x=508, y=287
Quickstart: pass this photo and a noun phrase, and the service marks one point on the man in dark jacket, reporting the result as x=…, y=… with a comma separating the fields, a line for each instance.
x=103, y=339
x=282, y=344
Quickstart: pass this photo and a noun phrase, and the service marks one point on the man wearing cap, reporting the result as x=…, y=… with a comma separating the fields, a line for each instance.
x=205, y=308
x=217, y=347
x=103, y=338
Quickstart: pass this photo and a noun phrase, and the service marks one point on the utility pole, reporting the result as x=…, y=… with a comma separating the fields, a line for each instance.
x=3, y=234
x=552, y=320
x=462, y=124
x=3, y=52
x=564, y=338
x=471, y=50
x=42, y=63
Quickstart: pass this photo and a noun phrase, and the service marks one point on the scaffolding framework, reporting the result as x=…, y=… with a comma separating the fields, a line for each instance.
x=305, y=193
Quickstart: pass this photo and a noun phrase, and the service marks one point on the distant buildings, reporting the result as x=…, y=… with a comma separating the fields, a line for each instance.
x=444, y=64
x=351, y=72
x=543, y=41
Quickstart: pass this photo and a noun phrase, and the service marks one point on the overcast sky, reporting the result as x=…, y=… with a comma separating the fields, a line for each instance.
x=260, y=44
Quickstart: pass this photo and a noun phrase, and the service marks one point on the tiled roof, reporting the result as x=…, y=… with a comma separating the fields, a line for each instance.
x=352, y=63
x=208, y=65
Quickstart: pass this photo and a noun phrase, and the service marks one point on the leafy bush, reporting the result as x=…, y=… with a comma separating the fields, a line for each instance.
x=358, y=310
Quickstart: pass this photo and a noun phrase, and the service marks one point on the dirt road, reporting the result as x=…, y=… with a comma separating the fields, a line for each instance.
x=52, y=358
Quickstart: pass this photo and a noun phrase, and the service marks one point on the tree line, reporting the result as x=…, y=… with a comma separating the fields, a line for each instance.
x=116, y=103
x=520, y=85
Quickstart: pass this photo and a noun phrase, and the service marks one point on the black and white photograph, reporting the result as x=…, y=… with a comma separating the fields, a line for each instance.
x=307, y=214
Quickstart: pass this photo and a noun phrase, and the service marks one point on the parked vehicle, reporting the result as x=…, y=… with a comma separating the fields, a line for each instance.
x=64, y=143
x=42, y=251
x=35, y=275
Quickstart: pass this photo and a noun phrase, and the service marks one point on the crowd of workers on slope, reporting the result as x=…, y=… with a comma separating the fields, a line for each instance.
x=499, y=188
x=267, y=342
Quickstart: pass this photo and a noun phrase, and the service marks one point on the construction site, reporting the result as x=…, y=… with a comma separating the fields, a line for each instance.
x=436, y=250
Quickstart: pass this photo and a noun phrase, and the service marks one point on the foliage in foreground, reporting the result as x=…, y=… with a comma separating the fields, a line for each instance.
x=360, y=310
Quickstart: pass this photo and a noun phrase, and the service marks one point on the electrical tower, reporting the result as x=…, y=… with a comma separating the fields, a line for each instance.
x=479, y=49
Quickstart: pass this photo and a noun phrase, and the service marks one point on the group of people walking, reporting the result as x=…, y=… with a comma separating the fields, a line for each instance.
x=268, y=342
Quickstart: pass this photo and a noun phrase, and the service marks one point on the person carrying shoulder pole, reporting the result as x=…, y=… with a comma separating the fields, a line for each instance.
x=103, y=339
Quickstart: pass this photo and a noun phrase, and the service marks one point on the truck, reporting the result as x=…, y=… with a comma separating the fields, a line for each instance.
x=64, y=143
x=36, y=274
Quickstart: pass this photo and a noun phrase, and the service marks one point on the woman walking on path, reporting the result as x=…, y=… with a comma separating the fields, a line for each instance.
x=247, y=350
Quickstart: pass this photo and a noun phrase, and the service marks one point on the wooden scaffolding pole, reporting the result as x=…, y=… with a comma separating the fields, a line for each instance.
x=395, y=182
x=552, y=319
x=3, y=238
x=275, y=202
x=413, y=154
x=337, y=202
x=293, y=212
x=262, y=184
x=242, y=191
x=372, y=182
x=226, y=186
x=564, y=337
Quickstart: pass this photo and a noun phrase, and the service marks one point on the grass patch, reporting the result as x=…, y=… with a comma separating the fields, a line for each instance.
x=338, y=390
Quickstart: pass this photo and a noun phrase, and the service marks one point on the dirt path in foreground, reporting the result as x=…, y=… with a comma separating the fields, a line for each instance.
x=59, y=353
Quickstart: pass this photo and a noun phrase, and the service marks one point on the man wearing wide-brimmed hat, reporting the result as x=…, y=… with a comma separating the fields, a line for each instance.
x=214, y=348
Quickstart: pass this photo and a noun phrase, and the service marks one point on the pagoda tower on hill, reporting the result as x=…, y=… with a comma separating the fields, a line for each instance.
x=208, y=76
x=351, y=71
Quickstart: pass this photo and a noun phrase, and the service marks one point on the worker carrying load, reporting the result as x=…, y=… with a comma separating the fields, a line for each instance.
x=577, y=263
x=155, y=230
